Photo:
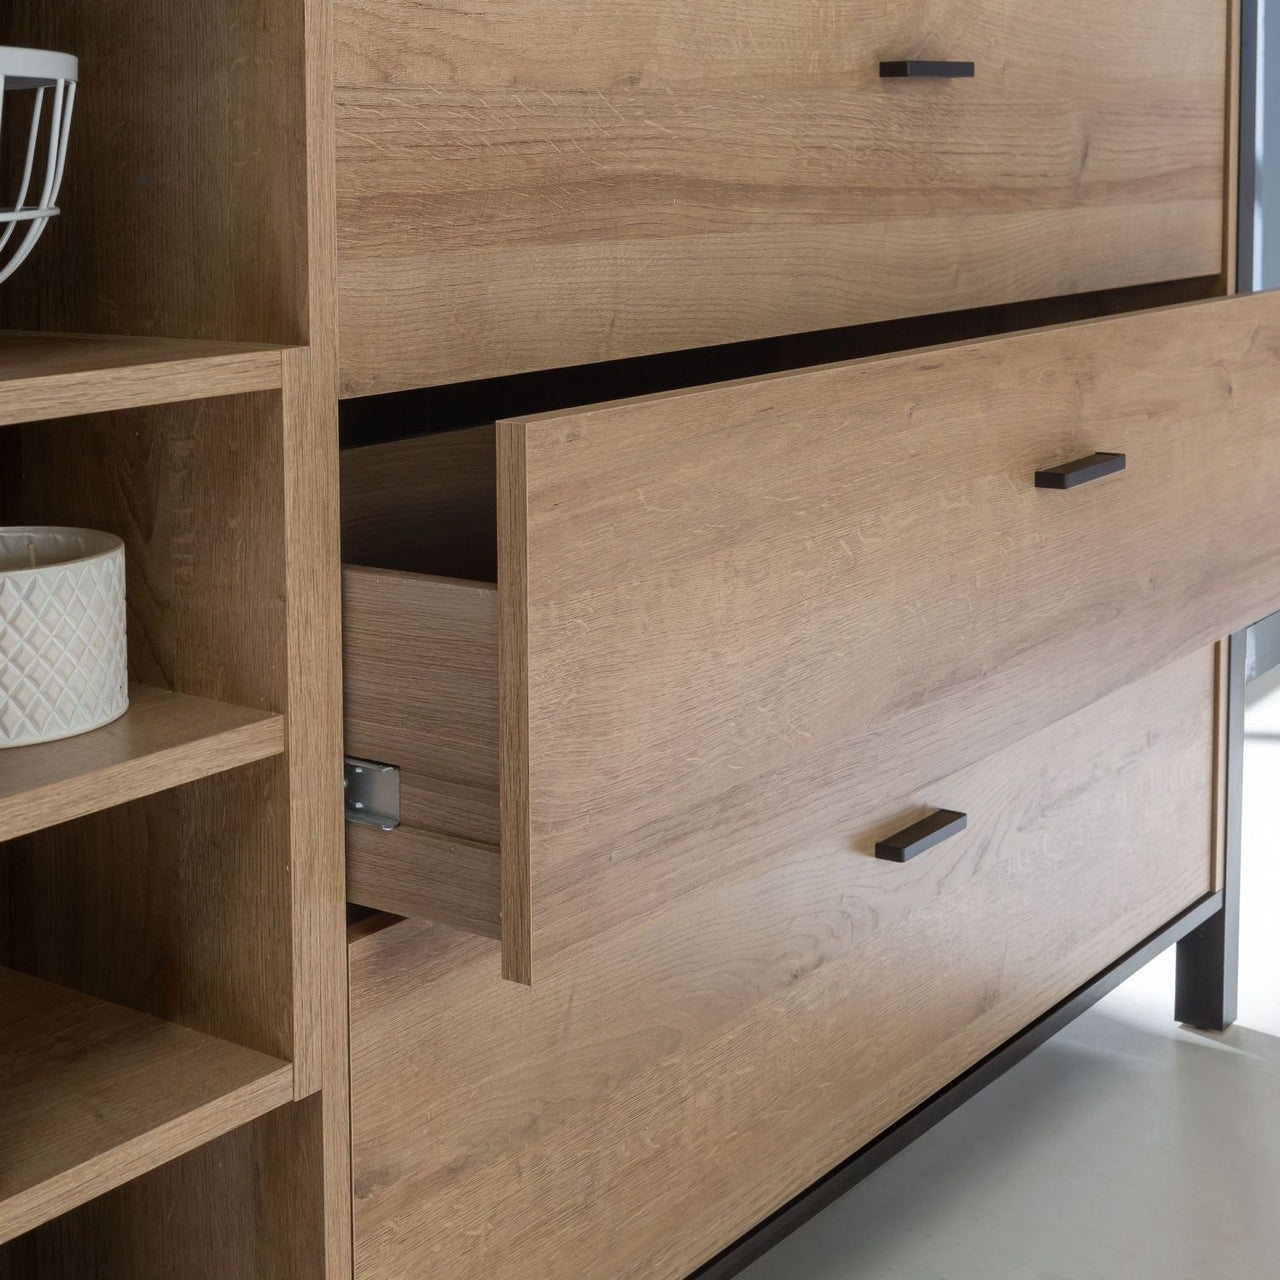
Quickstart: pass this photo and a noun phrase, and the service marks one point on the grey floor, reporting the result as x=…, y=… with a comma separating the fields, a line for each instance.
x=1127, y=1148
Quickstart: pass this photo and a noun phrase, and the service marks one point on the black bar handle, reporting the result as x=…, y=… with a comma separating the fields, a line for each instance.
x=915, y=69
x=1081, y=471
x=922, y=835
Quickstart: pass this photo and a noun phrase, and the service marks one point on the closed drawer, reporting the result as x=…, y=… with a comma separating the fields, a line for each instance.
x=729, y=619
x=682, y=1075
x=527, y=184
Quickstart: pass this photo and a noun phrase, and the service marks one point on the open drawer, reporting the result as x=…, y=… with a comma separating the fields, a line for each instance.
x=738, y=618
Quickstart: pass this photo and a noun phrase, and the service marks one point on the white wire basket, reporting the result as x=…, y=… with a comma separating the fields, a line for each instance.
x=37, y=94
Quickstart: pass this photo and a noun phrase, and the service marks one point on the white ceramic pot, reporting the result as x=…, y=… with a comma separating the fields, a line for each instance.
x=63, y=661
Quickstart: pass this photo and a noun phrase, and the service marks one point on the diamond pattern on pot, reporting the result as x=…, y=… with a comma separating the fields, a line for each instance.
x=64, y=667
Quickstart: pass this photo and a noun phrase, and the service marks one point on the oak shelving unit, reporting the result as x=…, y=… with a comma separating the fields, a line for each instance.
x=95, y=1094
x=164, y=740
x=58, y=375
x=173, y=1091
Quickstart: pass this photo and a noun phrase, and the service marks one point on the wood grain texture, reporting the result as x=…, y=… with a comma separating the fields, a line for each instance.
x=162, y=741
x=425, y=505
x=664, y=1086
x=56, y=375
x=185, y=204
x=412, y=872
x=245, y=1205
x=420, y=667
x=309, y=479
x=320, y=1187
x=517, y=728
x=1229, y=279
x=94, y=1094
x=746, y=607
x=200, y=205
x=532, y=185
x=200, y=879
x=420, y=679
x=228, y=511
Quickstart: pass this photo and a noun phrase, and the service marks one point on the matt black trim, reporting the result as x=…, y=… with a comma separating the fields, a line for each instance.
x=1070, y=474
x=921, y=836
x=915, y=69
x=1209, y=959
x=830, y=1188
x=1262, y=647
x=1250, y=74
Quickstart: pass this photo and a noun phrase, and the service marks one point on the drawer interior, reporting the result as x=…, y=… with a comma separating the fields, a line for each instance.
x=420, y=653
x=424, y=504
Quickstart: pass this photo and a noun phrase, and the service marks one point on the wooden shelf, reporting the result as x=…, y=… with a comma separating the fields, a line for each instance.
x=162, y=741
x=92, y=1094
x=57, y=375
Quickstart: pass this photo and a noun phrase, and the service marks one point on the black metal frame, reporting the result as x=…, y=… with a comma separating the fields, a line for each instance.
x=1250, y=92
x=844, y=1177
x=1208, y=959
x=1207, y=937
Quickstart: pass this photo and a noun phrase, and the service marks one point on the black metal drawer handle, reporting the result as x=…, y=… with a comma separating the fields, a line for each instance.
x=922, y=835
x=1071, y=474
x=914, y=69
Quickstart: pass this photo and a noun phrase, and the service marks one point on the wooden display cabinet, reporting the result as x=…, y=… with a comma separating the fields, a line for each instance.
x=712, y=641
x=172, y=925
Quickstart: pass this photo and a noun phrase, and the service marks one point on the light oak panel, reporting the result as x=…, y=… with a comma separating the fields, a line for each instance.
x=199, y=204
x=420, y=675
x=308, y=1164
x=56, y=375
x=425, y=505
x=604, y=45
x=244, y=1204
x=162, y=741
x=746, y=607
x=94, y=1094
x=680, y=175
x=185, y=204
x=313, y=640
x=670, y=1082
x=200, y=879
x=616, y=302
x=412, y=872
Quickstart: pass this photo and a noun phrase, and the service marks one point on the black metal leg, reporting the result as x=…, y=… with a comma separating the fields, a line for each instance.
x=1208, y=958
x=1207, y=973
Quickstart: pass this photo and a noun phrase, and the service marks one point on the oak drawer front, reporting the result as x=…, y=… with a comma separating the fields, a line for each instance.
x=731, y=619
x=532, y=184
x=673, y=1081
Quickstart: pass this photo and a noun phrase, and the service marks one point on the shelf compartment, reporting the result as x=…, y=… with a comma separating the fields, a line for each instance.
x=162, y=741
x=57, y=375
x=93, y=1094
